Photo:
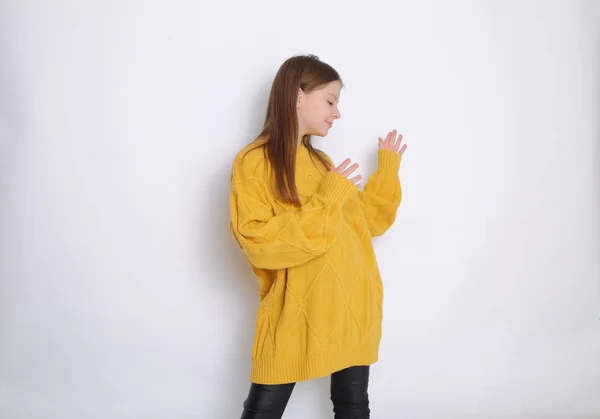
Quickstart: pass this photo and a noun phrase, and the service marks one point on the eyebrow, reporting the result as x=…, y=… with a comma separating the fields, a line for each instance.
x=336, y=98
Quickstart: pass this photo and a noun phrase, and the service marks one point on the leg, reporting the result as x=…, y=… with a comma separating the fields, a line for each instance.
x=349, y=393
x=267, y=401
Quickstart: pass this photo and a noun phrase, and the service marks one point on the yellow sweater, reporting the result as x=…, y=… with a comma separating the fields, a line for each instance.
x=321, y=294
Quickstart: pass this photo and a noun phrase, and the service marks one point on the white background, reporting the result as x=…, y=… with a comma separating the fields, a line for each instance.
x=122, y=294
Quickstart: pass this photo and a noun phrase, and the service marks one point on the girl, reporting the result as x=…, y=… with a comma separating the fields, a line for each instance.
x=305, y=228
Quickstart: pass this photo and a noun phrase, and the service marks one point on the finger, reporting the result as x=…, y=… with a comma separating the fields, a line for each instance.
x=342, y=166
x=398, y=143
x=349, y=170
x=355, y=179
x=402, y=149
x=393, y=139
x=388, y=140
x=383, y=143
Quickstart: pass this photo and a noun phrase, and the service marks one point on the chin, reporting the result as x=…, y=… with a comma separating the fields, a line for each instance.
x=320, y=132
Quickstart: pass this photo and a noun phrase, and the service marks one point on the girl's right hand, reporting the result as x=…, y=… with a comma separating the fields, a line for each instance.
x=342, y=170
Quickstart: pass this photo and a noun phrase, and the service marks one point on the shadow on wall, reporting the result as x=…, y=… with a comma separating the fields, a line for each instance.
x=597, y=166
x=241, y=286
x=240, y=290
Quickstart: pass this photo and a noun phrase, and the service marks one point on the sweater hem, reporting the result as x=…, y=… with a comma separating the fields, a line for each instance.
x=306, y=367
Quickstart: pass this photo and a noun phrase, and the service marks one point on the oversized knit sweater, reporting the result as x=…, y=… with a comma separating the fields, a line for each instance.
x=321, y=294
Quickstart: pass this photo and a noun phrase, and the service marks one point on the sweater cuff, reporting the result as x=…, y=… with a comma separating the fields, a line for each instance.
x=336, y=188
x=388, y=160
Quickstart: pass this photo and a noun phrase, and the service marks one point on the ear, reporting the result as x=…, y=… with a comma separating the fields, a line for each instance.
x=300, y=93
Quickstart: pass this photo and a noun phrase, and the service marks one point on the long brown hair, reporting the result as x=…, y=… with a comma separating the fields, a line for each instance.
x=281, y=121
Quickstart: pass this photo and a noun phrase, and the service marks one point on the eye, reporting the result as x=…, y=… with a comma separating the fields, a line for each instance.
x=330, y=103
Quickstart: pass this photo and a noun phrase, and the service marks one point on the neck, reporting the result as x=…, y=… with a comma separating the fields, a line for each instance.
x=300, y=137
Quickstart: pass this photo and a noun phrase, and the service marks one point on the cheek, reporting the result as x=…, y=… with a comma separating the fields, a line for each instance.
x=316, y=114
x=320, y=114
x=312, y=116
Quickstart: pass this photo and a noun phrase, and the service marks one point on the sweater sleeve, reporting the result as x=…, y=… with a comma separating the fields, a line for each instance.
x=382, y=194
x=292, y=238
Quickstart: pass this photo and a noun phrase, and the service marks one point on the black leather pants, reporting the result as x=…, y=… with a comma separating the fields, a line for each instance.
x=348, y=394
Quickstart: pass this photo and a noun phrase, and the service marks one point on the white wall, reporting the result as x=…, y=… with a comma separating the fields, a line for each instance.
x=122, y=294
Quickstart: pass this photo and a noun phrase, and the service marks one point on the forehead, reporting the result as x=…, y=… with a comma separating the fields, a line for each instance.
x=333, y=88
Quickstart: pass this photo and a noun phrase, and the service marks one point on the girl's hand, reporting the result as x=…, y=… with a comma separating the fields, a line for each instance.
x=391, y=143
x=342, y=170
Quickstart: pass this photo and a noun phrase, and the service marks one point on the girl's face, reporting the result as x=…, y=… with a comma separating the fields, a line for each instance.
x=318, y=109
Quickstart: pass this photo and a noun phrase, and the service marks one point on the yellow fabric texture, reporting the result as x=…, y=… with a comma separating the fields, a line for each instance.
x=321, y=293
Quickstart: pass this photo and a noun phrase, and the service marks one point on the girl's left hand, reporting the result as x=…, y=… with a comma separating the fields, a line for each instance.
x=392, y=143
